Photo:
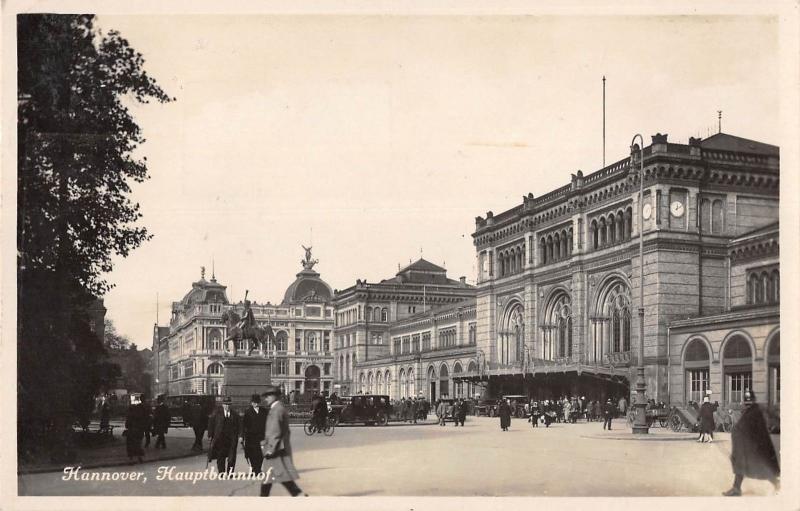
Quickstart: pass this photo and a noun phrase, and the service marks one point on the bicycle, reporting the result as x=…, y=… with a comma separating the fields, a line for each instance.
x=310, y=428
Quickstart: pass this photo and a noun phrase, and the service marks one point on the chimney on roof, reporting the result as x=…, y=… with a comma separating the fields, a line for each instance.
x=463, y=280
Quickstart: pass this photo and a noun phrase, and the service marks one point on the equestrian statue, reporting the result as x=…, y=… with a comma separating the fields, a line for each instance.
x=246, y=329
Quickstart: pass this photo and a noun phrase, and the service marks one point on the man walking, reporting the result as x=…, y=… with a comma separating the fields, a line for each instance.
x=413, y=409
x=135, y=424
x=223, y=430
x=253, y=427
x=752, y=453
x=161, y=418
x=463, y=408
x=199, y=421
x=278, y=447
x=608, y=414
x=441, y=411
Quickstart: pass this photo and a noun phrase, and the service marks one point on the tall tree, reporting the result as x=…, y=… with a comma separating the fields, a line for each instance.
x=75, y=164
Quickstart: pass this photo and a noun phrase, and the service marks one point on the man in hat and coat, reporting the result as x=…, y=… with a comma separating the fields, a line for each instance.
x=223, y=430
x=608, y=414
x=504, y=411
x=253, y=427
x=161, y=420
x=752, y=453
x=278, y=463
x=135, y=425
x=706, y=421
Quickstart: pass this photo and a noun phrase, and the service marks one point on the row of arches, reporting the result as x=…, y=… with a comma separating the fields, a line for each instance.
x=438, y=382
x=615, y=227
x=378, y=314
x=763, y=287
x=556, y=246
x=737, y=367
x=345, y=366
x=712, y=216
x=511, y=260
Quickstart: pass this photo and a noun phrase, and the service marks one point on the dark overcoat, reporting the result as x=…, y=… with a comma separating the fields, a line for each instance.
x=752, y=453
x=215, y=432
x=504, y=411
x=161, y=419
x=278, y=463
x=707, y=418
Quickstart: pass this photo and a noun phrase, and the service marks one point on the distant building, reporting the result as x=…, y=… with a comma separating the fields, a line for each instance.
x=366, y=314
x=190, y=356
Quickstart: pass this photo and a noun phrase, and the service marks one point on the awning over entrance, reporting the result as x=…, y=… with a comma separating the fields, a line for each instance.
x=604, y=372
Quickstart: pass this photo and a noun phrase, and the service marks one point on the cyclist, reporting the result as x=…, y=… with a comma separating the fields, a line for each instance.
x=320, y=413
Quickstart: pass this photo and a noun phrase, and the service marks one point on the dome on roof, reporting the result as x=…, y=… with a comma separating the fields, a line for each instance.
x=204, y=291
x=308, y=287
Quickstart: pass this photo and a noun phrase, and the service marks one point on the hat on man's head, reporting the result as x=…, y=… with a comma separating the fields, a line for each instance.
x=255, y=398
x=271, y=390
x=749, y=396
x=227, y=400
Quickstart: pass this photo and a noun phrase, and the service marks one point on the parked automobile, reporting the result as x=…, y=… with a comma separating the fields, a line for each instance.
x=369, y=409
x=518, y=405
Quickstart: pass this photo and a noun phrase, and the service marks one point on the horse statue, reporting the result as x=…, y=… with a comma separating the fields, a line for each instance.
x=262, y=336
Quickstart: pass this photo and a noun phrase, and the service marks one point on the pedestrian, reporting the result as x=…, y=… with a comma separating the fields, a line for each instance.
x=623, y=406
x=752, y=452
x=451, y=412
x=253, y=427
x=161, y=418
x=199, y=421
x=441, y=411
x=608, y=414
x=463, y=409
x=223, y=430
x=706, y=421
x=596, y=410
x=567, y=410
x=534, y=414
x=135, y=424
x=504, y=411
x=105, y=413
x=414, y=407
x=279, y=464
x=148, y=421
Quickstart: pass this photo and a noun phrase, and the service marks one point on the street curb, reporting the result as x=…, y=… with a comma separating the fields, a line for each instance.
x=106, y=465
x=645, y=438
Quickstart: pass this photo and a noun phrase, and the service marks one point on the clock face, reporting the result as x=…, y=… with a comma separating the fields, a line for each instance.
x=677, y=208
x=647, y=210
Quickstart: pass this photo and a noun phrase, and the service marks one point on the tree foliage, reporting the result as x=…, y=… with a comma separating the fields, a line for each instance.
x=75, y=165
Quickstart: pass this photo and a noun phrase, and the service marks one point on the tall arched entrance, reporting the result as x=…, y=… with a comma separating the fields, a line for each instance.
x=312, y=379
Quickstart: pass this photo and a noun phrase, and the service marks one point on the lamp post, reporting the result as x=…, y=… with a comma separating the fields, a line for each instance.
x=640, y=422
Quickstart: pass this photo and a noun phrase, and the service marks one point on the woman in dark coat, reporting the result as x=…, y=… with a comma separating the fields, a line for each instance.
x=752, y=453
x=706, y=421
x=504, y=411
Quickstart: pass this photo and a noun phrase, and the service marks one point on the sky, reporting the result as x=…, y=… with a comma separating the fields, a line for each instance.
x=378, y=139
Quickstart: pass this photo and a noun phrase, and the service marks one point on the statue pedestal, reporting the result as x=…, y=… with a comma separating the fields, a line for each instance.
x=245, y=377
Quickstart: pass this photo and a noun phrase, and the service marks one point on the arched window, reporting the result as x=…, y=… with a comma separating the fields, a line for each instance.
x=543, y=251
x=387, y=378
x=620, y=223
x=557, y=247
x=214, y=368
x=444, y=381
x=368, y=316
x=610, y=323
x=384, y=315
x=595, y=240
x=765, y=288
x=753, y=289
x=628, y=223
x=774, y=370
x=458, y=385
x=737, y=362
x=612, y=229
x=603, y=232
x=412, y=384
x=511, y=334
x=550, y=253
x=776, y=287
x=556, y=330
x=362, y=383
x=403, y=383
x=696, y=363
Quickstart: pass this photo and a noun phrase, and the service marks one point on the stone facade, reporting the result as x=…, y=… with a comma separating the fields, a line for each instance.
x=558, y=275
x=366, y=312
x=428, y=354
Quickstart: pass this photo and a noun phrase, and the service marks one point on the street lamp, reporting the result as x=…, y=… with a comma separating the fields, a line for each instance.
x=640, y=421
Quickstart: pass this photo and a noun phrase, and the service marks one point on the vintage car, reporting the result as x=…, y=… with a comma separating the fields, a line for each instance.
x=518, y=403
x=486, y=407
x=449, y=416
x=368, y=409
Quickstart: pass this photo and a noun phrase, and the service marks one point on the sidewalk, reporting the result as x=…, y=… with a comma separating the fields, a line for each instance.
x=113, y=454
